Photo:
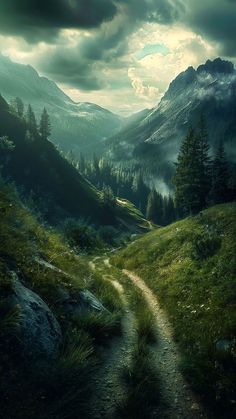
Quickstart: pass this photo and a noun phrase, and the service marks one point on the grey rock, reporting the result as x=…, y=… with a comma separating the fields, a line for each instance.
x=89, y=300
x=80, y=302
x=39, y=333
x=76, y=303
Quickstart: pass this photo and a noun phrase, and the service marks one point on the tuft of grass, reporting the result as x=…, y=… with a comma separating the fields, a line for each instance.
x=143, y=391
x=99, y=326
x=145, y=321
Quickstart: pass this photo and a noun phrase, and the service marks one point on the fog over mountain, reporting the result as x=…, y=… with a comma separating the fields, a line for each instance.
x=75, y=126
x=209, y=90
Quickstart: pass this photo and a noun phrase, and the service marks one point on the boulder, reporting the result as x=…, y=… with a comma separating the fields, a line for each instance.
x=39, y=334
x=81, y=301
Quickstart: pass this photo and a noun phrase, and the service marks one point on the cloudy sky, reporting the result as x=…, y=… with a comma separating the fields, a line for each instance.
x=121, y=54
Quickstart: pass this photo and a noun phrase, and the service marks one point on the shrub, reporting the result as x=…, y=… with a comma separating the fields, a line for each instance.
x=80, y=234
x=205, y=246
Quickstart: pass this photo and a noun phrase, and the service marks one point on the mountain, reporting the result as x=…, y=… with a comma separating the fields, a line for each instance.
x=54, y=185
x=76, y=126
x=154, y=138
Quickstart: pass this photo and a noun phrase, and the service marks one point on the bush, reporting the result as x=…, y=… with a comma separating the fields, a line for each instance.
x=205, y=246
x=80, y=234
x=108, y=234
x=143, y=395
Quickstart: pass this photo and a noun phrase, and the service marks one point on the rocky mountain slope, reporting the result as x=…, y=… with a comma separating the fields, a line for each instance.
x=76, y=126
x=210, y=90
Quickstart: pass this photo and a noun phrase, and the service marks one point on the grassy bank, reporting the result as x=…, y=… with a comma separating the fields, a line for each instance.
x=191, y=266
x=63, y=387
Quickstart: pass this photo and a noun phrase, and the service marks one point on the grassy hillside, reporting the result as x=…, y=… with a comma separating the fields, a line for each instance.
x=62, y=388
x=191, y=266
x=56, y=187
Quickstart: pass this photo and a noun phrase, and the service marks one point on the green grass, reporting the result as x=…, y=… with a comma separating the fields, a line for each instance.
x=145, y=321
x=141, y=379
x=62, y=388
x=191, y=266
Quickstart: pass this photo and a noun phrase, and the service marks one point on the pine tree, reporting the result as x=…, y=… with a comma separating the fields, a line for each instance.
x=31, y=122
x=154, y=207
x=82, y=164
x=205, y=164
x=220, y=177
x=188, y=179
x=45, y=125
x=140, y=191
x=18, y=107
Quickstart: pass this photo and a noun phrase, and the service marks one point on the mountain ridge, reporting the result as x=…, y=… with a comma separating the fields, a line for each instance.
x=76, y=125
x=209, y=90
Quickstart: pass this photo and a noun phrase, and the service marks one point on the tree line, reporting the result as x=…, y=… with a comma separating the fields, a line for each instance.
x=128, y=184
x=34, y=129
x=202, y=180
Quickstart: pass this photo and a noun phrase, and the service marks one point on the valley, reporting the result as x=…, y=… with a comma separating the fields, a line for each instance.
x=136, y=323
x=117, y=252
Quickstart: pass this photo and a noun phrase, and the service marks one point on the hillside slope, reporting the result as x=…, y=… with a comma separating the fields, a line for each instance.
x=42, y=285
x=76, y=126
x=191, y=267
x=43, y=174
x=154, y=138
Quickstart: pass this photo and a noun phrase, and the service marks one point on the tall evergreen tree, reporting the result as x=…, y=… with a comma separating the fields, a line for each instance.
x=188, y=180
x=154, y=207
x=205, y=164
x=31, y=122
x=82, y=164
x=18, y=107
x=220, y=179
x=45, y=125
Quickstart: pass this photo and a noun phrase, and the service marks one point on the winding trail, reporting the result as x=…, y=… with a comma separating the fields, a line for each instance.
x=109, y=389
x=179, y=401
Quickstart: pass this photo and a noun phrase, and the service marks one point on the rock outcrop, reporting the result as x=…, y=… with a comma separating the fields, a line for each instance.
x=39, y=333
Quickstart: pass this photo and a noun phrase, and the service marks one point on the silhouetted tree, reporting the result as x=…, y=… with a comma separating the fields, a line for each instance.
x=220, y=177
x=190, y=191
x=45, y=125
x=31, y=122
x=18, y=107
x=205, y=164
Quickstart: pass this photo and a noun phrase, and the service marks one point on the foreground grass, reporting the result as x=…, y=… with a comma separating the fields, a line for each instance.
x=191, y=266
x=60, y=390
x=141, y=378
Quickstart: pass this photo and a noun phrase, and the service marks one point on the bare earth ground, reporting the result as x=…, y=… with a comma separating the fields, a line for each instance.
x=179, y=400
x=108, y=383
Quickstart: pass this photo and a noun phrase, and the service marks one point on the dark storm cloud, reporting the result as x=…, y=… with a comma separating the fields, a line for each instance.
x=71, y=68
x=216, y=21
x=38, y=20
x=81, y=65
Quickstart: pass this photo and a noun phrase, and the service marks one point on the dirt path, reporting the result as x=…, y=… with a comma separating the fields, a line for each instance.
x=179, y=401
x=108, y=383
